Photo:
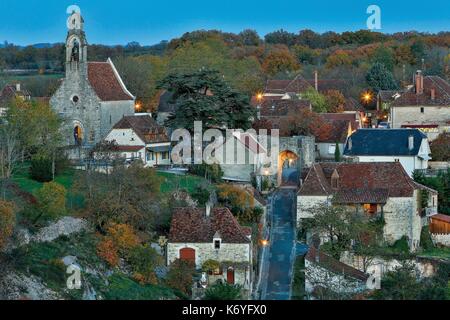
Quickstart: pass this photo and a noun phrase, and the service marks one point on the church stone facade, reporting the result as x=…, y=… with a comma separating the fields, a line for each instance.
x=92, y=97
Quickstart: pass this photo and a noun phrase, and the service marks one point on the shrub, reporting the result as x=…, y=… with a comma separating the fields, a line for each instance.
x=7, y=221
x=180, y=276
x=212, y=172
x=223, y=291
x=425, y=238
x=201, y=194
x=51, y=199
x=107, y=250
x=41, y=169
x=144, y=260
x=402, y=245
x=124, y=237
x=210, y=265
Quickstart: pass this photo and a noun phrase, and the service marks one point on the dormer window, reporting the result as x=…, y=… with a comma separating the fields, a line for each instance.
x=335, y=180
x=217, y=240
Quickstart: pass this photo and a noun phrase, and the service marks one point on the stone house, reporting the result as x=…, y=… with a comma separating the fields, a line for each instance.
x=325, y=276
x=410, y=147
x=424, y=105
x=200, y=235
x=343, y=125
x=377, y=189
x=92, y=97
x=140, y=137
x=12, y=91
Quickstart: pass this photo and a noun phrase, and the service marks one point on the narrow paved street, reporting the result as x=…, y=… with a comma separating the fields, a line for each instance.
x=280, y=258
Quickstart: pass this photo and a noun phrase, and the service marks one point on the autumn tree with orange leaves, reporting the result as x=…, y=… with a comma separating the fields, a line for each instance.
x=306, y=123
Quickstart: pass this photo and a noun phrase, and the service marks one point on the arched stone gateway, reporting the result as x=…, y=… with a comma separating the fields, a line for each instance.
x=288, y=168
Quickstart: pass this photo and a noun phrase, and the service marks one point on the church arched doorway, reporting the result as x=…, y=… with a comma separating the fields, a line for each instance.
x=288, y=168
x=78, y=134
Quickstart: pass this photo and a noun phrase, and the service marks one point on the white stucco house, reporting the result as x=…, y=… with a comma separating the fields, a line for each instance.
x=377, y=189
x=199, y=235
x=140, y=137
x=410, y=147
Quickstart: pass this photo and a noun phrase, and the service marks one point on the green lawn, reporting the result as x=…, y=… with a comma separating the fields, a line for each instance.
x=441, y=253
x=173, y=182
x=22, y=178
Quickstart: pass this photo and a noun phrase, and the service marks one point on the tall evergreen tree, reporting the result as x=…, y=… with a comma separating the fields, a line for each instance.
x=205, y=96
x=379, y=78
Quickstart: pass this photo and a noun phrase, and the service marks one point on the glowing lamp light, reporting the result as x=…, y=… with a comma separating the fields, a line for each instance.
x=264, y=242
x=259, y=96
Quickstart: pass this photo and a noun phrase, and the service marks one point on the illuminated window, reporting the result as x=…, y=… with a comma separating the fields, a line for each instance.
x=370, y=208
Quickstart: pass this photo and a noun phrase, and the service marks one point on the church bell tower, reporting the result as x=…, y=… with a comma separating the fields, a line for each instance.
x=76, y=46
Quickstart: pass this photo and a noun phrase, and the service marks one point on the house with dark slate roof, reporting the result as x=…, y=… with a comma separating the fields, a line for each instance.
x=410, y=147
x=377, y=189
x=92, y=96
x=424, y=105
x=201, y=235
x=140, y=137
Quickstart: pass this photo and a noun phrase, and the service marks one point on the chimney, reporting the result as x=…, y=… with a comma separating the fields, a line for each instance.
x=316, y=80
x=208, y=209
x=433, y=93
x=410, y=143
x=18, y=87
x=419, y=82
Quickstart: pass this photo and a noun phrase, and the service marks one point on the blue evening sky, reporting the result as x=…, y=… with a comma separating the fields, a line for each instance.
x=149, y=21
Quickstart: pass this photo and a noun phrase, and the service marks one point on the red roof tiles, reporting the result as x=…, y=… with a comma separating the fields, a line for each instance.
x=371, y=182
x=106, y=83
x=191, y=225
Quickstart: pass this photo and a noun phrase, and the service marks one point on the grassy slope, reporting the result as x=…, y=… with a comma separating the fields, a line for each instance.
x=172, y=181
x=44, y=261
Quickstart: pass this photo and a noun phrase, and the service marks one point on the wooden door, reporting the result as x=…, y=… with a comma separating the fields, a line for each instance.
x=230, y=276
x=187, y=254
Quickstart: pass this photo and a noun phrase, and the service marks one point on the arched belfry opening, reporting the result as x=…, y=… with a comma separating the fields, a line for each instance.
x=288, y=168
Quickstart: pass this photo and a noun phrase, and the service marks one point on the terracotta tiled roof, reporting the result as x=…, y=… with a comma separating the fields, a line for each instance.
x=145, y=127
x=361, y=196
x=441, y=217
x=297, y=85
x=279, y=108
x=411, y=98
x=318, y=257
x=191, y=225
x=348, y=116
x=106, y=83
x=128, y=148
x=359, y=181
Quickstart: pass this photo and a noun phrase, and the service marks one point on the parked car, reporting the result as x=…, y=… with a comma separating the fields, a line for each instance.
x=384, y=125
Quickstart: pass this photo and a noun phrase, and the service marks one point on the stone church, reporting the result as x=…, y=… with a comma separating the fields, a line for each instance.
x=92, y=97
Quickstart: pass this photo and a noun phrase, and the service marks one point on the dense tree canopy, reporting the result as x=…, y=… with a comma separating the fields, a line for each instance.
x=205, y=96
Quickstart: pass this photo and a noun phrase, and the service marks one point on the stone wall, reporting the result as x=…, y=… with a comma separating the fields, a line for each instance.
x=85, y=112
x=305, y=203
x=112, y=112
x=402, y=219
x=317, y=276
x=228, y=252
x=412, y=115
x=441, y=239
